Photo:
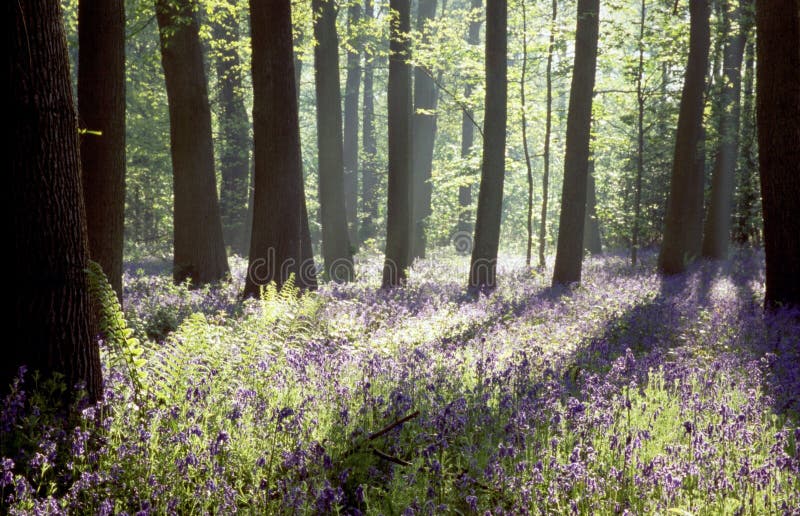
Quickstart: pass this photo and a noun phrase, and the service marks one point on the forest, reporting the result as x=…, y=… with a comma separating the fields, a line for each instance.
x=403, y=257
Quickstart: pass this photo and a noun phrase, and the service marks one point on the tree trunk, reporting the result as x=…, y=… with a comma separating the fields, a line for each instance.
x=523, y=107
x=276, y=249
x=398, y=220
x=591, y=225
x=569, y=253
x=548, y=125
x=234, y=144
x=424, y=134
x=748, y=218
x=350, y=156
x=335, y=243
x=101, y=103
x=369, y=178
x=483, y=265
x=51, y=318
x=465, y=225
x=640, y=104
x=199, y=250
x=718, y=223
x=683, y=221
x=778, y=119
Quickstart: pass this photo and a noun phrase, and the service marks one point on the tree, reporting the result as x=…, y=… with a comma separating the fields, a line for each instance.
x=778, y=119
x=548, y=124
x=468, y=125
x=199, y=250
x=640, y=104
x=424, y=134
x=748, y=209
x=483, y=264
x=569, y=253
x=276, y=248
x=591, y=225
x=683, y=221
x=234, y=139
x=398, y=223
x=716, y=239
x=369, y=179
x=335, y=244
x=101, y=103
x=51, y=318
x=350, y=150
x=524, y=116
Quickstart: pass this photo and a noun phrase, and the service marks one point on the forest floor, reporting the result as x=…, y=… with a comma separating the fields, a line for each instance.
x=630, y=393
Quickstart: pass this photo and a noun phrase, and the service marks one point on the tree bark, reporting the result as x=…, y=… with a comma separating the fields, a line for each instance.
x=350, y=156
x=51, y=317
x=683, y=221
x=369, y=178
x=424, y=135
x=716, y=240
x=276, y=249
x=398, y=220
x=234, y=144
x=468, y=131
x=101, y=103
x=548, y=124
x=335, y=242
x=523, y=113
x=199, y=249
x=483, y=264
x=640, y=104
x=748, y=219
x=778, y=119
x=591, y=224
x=569, y=253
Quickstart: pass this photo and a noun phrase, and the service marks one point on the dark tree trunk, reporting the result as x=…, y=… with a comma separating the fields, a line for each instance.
x=335, y=243
x=276, y=248
x=199, y=250
x=548, y=124
x=424, y=134
x=569, y=253
x=748, y=219
x=51, y=320
x=683, y=221
x=778, y=119
x=465, y=224
x=234, y=144
x=483, y=265
x=350, y=151
x=398, y=219
x=718, y=223
x=369, y=178
x=591, y=225
x=101, y=103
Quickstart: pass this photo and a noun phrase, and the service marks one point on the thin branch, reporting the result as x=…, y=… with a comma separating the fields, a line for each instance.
x=390, y=458
x=391, y=426
x=462, y=105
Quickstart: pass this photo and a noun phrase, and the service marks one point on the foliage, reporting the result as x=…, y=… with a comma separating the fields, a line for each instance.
x=623, y=394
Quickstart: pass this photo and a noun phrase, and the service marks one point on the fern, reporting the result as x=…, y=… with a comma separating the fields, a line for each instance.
x=125, y=351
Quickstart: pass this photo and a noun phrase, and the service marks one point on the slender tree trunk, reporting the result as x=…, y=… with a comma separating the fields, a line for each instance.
x=748, y=211
x=528, y=167
x=51, y=318
x=548, y=125
x=276, y=244
x=778, y=118
x=683, y=221
x=101, y=102
x=718, y=223
x=569, y=253
x=335, y=243
x=483, y=265
x=369, y=179
x=591, y=225
x=199, y=249
x=468, y=131
x=640, y=103
x=424, y=135
x=398, y=223
x=350, y=157
x=234, y=143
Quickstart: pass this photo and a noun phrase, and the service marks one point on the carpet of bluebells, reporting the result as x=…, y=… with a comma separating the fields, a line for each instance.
x=629, y=394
